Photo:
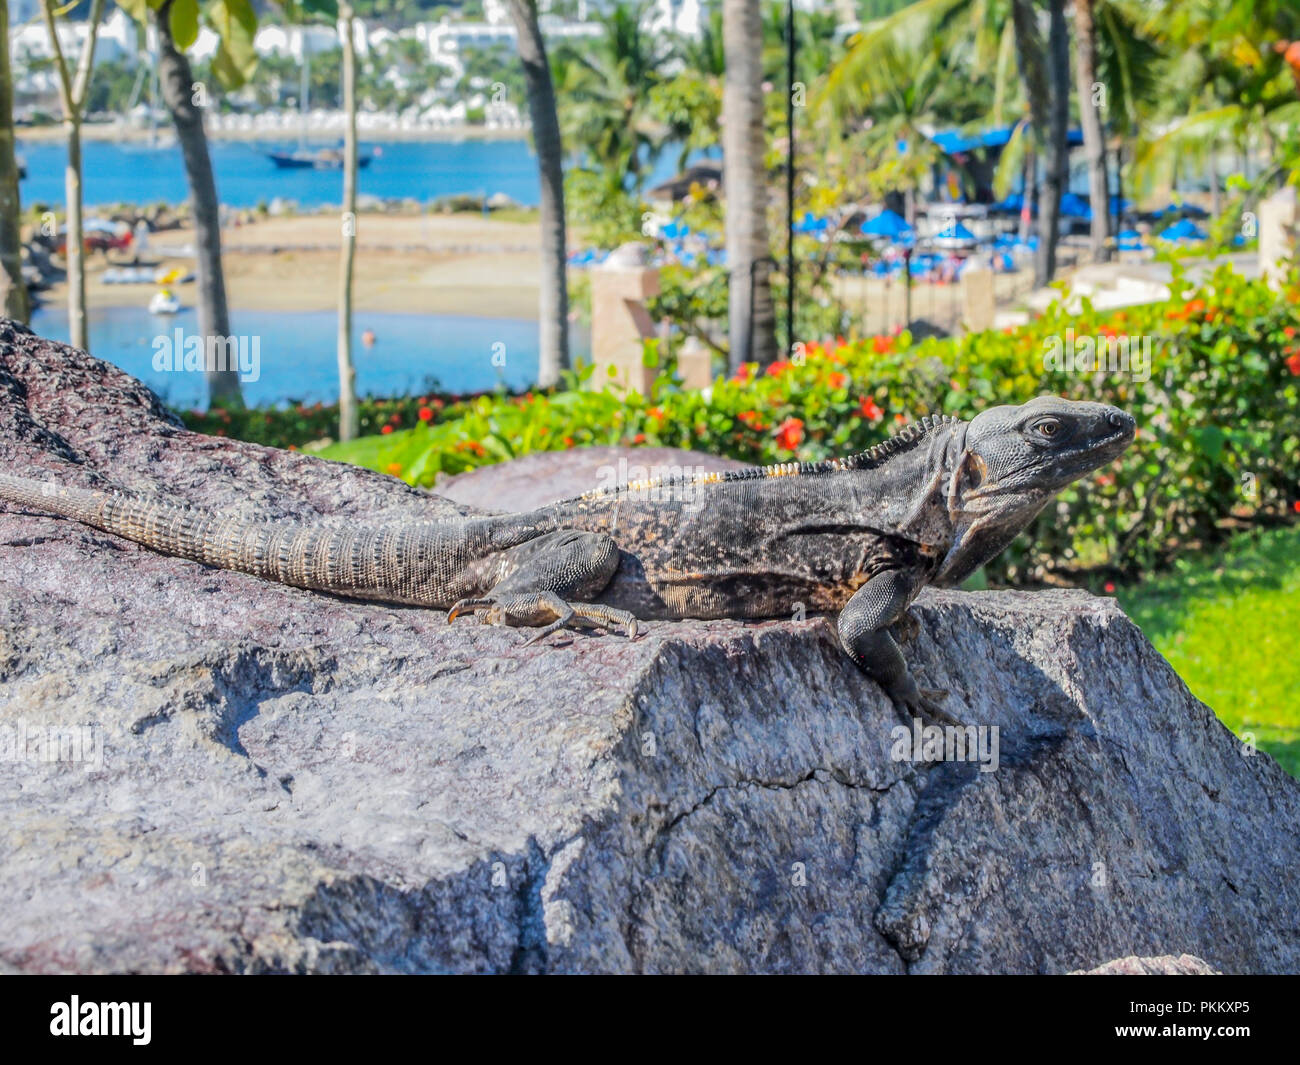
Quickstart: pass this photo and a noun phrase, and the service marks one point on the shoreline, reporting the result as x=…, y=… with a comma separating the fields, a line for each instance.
x=429, y=264
x=118, y=132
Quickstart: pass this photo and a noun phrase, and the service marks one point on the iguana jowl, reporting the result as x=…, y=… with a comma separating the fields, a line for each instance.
x=860, y=535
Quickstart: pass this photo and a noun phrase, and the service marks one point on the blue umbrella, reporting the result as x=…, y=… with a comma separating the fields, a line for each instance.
x=954, y=233
x=1184, y=230
x=889, y=224
x=1130, y=240
x=1074, y=206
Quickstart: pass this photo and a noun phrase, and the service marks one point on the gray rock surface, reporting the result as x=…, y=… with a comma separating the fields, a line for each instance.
x=255, y=777
x=1165, y=965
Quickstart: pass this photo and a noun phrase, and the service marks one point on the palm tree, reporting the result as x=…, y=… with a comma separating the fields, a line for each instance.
x=16, y=303
x=554, y=293
x=176, y=82
x=1094, y=137
x=349, y=424
x=751, y=311
x=607, y=88
x=72, y=98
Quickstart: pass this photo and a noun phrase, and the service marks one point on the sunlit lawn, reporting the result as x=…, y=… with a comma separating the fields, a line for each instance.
x=1228, y=623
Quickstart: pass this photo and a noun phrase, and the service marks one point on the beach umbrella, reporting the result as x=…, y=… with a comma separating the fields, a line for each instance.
x=953, y=235
x=1184, y=230
x=889, y=224
x=1130, y=240
x=1075, y=206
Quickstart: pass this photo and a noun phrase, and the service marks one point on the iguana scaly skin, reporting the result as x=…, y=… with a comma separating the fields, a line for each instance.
x=859, y=535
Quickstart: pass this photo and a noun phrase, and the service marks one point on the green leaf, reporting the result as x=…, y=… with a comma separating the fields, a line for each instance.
x=184, y=21
x=235, y=22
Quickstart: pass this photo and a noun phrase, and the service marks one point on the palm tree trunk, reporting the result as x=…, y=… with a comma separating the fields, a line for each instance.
x=349, y=424
x=1094, y=138
x=553, y=303
x=12, y=286
x=177, y=83
x=72, y=96
x=1049, y=113
x=74, y=254
x=752, y=313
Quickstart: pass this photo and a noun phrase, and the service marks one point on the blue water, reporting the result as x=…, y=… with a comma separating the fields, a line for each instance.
x=420, y=170
x=412, y=352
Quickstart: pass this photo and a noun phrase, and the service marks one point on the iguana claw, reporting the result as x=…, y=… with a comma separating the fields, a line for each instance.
x=535, y=608
x=924, y=702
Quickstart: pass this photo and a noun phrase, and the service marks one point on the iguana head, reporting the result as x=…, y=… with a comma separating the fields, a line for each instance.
x=1013, y=461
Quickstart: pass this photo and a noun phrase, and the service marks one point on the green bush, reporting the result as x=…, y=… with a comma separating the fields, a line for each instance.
x=1218, y=437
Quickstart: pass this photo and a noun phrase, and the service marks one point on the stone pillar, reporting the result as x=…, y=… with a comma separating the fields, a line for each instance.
x=695, y=364
x=978, y=301
x=620, y=324
x=1277, y=234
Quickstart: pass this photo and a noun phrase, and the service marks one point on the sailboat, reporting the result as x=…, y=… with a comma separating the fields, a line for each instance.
x=302, y=157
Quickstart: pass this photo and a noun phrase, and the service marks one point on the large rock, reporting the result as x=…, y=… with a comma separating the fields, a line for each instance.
x=255, y=777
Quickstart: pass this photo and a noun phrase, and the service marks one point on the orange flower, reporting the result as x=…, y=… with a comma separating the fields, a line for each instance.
x=837, y=380
x=394, y=468
x=779, y=367
x=656, y=413
x=1289, y=332
x=790, y=433
x=639, y=438
x=870, y=410
x=881, y=345
x=1293, y=363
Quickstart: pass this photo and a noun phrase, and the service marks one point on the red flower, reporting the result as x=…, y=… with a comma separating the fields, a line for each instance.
x=870, y=410
x=790, y=433
x=386, y=430
x=900, y=418
x=568, y=441
x=1290, y=332
x=881, y=344
x=745, y=373
x=396, y=419
x=1296, y=506
x=1109, y=586
x=1293, y=363
x=778, y=368
x=426, y=415
x=639, y=438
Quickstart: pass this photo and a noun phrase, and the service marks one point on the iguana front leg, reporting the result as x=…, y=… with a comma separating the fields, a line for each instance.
x=544, y=582
x=864, y=634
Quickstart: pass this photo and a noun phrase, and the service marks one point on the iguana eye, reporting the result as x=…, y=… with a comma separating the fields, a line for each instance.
x=1048, y=427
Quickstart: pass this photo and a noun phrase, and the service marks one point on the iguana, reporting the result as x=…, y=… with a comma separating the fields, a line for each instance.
x=860, y=535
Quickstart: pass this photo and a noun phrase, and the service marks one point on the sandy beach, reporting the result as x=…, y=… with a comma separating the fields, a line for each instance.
x=431, y=264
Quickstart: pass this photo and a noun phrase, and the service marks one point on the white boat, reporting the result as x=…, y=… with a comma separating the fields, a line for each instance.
x=164, y=302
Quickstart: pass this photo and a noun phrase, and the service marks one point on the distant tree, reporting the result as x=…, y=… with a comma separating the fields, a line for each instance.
x=13, y=288
x=73, y=85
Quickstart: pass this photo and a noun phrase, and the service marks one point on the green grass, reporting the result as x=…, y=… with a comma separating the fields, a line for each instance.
x=1228, y=623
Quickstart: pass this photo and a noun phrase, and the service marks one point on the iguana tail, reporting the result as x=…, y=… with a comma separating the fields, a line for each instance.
x=421, y=563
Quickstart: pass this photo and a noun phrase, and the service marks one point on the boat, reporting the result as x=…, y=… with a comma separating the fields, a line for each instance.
x=164, y=302
x=319, y=159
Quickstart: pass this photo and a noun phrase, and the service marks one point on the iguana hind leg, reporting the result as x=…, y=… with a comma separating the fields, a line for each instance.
x=545, y=583
x=864, y=634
